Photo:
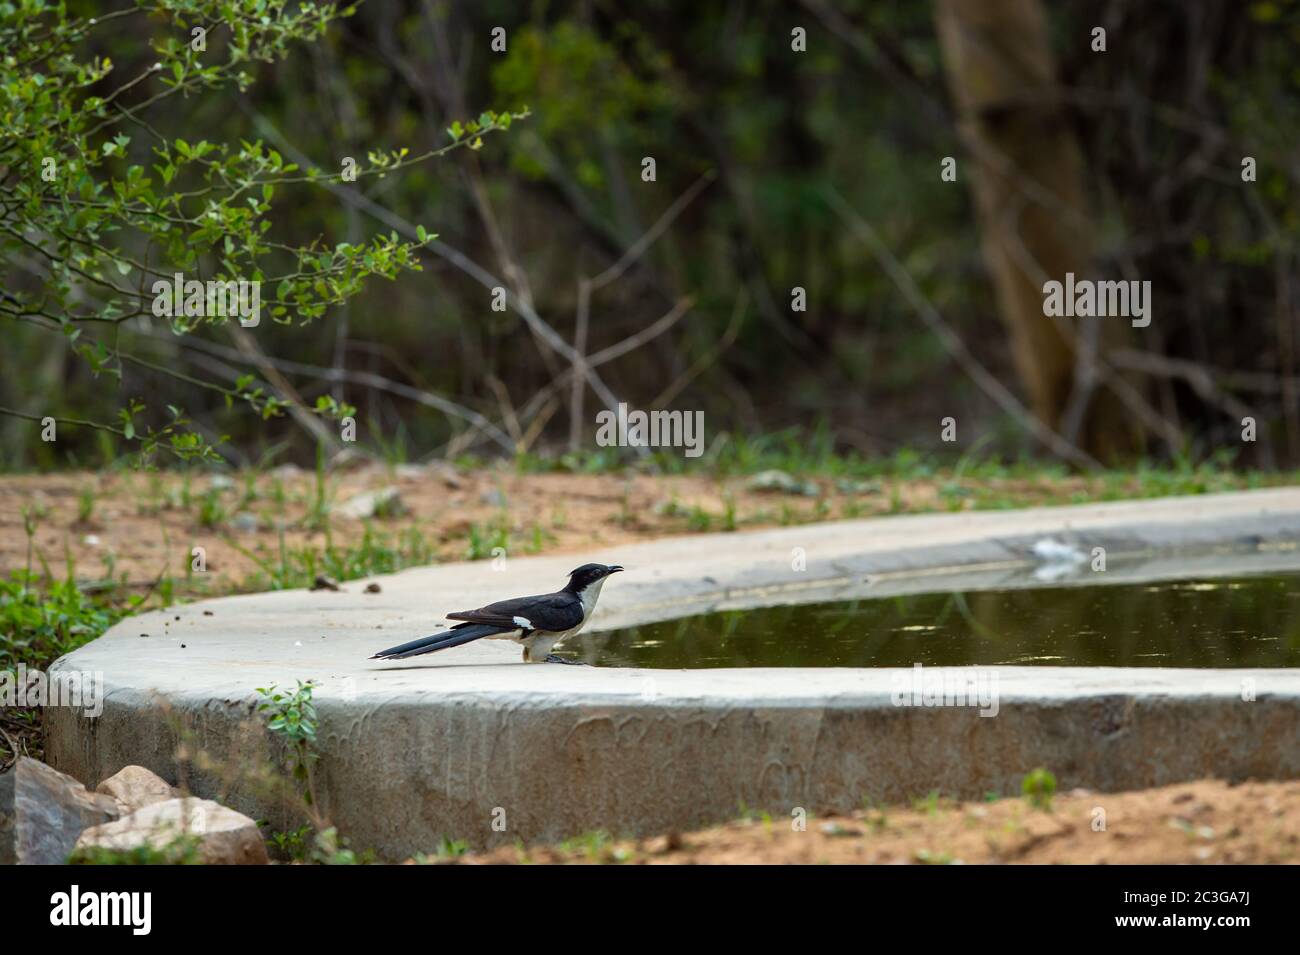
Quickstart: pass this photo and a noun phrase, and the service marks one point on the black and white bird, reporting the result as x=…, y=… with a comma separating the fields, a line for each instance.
x=535, y=623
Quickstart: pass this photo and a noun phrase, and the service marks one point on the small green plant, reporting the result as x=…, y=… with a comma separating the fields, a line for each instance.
x=596, y=846
x=699, y=519
x=446, y=849
x=250, y=494
x=86, y=504
x=292, y=717
x=291, y=845
x=671, y=507
x=1038, y=787
x=317, y=517
x=929, y=805
x=522, y=855
x=278, y=496
x=485, y=539
x=150, y=502
x=292, y=568
x=330, y=848
x=539, y=539
x=212, y=511
x=451, y=848
x=40, y=620
x=750, y=815
x=182, y=850
x=728, y=512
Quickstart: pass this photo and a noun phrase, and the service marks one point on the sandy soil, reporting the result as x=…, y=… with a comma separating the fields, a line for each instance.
x=140, y=526
x=1194, y=823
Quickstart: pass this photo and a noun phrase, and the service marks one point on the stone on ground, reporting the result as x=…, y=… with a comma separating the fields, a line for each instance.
x=779, y=482
x=224, y=837
x=386, y=502
x=135, y=787
x=43, y=811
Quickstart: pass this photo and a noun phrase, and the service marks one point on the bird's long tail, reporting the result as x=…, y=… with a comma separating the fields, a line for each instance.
x=454, y=637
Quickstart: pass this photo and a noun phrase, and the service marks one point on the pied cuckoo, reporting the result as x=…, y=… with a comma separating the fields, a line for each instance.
x=535, y=623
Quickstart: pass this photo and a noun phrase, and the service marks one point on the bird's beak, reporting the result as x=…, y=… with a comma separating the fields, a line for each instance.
x=614, y=568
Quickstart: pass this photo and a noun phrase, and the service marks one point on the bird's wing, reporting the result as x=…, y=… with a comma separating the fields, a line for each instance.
x=550, y=612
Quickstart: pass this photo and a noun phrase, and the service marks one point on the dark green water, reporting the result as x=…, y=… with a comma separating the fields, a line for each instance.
x=1237, y=622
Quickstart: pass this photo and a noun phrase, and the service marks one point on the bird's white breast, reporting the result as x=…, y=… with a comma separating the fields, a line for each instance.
x=588, y=595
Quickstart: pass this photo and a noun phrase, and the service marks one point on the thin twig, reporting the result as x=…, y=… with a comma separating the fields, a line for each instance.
x=578, y=376
x=369, y=380
x=709, y=357
x=639, y=247
x=307, y=420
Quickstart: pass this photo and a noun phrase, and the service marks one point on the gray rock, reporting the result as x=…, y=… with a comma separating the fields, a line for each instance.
x=850, y=486
x=224, y=837
x=433, y=471
x=245, y=522
x=135, y=787
x=221, y=482
x=779, y=482
x=43, y=811
x=386, y=502
x=447, y=474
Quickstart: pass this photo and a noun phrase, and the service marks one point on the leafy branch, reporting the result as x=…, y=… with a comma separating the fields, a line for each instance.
x=89, y=215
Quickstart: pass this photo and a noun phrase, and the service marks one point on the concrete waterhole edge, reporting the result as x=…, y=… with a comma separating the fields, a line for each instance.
x=472, y=744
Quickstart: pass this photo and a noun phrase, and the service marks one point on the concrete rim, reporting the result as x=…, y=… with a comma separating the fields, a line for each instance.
x=569, y=749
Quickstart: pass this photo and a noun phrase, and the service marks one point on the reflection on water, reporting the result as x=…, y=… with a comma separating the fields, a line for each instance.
x=1231, y=622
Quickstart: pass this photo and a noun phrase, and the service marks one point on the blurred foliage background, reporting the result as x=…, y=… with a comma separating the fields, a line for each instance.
x=752, y=142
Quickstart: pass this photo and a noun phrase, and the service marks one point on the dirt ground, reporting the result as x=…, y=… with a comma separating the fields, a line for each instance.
x=135, y=527
x=1203, y=822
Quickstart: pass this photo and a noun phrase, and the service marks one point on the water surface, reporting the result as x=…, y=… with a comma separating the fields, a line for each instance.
x=1225, y=622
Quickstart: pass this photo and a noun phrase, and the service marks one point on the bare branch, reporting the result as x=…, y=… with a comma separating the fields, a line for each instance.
x=365, y=379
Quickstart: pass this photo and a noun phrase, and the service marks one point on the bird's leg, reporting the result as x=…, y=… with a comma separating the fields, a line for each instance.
x=552, y=658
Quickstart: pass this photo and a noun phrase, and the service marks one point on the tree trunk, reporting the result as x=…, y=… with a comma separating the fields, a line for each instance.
x=1026, y=173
